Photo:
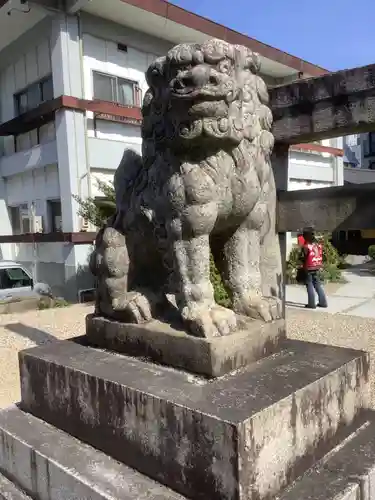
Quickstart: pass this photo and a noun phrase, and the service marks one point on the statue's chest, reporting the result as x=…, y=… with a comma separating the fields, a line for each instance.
x=239, y=195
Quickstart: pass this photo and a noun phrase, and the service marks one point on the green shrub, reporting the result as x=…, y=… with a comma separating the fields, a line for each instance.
x=50, y=303
x=220, y=293
x=371, y=251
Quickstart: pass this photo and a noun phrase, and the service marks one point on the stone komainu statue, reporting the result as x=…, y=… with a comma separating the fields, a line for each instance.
x=204, y=181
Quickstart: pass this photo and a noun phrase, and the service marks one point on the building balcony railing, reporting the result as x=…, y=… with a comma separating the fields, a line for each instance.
x=46, y=111
x=104, y=110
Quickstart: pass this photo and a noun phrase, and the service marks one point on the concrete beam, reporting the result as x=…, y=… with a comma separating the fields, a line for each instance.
x=332, y=105
x=348, y=207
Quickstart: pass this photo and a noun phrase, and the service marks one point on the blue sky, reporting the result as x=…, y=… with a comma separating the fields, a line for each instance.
x=335, y=34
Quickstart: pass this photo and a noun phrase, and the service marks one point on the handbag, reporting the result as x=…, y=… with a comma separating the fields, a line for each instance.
x=301, y=276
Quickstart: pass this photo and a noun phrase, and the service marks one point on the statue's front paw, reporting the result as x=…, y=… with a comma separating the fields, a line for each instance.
x=136, y=306
x=207, y=322
x=264, y=308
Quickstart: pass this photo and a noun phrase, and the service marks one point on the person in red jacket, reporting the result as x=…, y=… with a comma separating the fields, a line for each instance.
x=312, y=263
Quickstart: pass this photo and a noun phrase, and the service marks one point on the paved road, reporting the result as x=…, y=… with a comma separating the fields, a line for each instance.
x=355, y=298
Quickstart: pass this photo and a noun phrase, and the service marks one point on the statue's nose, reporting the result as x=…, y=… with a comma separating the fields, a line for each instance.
x=198, y=76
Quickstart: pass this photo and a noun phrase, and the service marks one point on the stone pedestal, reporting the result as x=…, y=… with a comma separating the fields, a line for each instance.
x=170, y=345
x=95, y=424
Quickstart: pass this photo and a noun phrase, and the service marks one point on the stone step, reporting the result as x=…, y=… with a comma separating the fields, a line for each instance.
x=52, y=465
x=347, y=473
x=9, y=491
x=242, y=436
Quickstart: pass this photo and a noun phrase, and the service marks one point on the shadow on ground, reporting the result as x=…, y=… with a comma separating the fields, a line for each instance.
x=28, y=332
x=294, y=304
x=364, y=269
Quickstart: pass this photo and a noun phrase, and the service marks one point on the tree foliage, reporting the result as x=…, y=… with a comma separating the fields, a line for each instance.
x=98, y=211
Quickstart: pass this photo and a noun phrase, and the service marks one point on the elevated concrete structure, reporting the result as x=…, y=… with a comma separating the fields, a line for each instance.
x=332, y=105
x=335, y=209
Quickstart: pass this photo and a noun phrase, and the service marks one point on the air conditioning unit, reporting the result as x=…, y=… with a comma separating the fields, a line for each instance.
x=38, y=224
x=58, y=223
x=84, y=225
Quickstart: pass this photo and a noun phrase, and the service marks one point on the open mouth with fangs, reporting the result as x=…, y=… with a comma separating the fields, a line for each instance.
x=194, y=93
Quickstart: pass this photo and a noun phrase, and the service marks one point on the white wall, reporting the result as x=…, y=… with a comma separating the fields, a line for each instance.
x=313, y=171
x=34, y=187
x=101, y=175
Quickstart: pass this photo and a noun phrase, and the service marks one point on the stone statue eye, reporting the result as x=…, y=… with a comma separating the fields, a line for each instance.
x=224, y=66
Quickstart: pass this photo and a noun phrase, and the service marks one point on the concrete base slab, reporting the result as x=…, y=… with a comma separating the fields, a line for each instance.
x=348, y=473
x=52, y=465
x=9, y=491
x=365, y=310
x=242, y=436
x=163, y=343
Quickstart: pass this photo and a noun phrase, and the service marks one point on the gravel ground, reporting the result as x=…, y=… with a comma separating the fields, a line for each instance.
x=21, y=331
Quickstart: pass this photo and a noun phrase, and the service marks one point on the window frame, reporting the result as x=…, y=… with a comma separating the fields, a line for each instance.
x=23, y=213
x=135, y=86
x=27, y=276
x=25, y=90
x=371, y=145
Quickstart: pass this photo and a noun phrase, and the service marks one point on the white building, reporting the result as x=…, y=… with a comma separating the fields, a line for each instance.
x=62, y=78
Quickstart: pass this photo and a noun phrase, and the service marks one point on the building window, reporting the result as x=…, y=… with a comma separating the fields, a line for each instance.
x=20, y=219
x=371, y=143
x=114, y=89
x=41, y=135
x=33, y=95
x=54, y=211
x=14, y=277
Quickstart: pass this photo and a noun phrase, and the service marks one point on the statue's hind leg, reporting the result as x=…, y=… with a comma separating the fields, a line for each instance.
x=240, y=262
x=113, y=265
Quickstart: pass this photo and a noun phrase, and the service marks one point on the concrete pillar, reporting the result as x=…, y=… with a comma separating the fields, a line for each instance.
x=70, y=125
x=70, y=134
x=6, y=249
x=338, y=162
x=280, y=161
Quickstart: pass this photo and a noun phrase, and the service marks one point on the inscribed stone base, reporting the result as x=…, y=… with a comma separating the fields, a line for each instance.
x=163, y=343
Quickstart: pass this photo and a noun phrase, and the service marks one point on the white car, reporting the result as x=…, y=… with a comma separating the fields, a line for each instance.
x=15, y=281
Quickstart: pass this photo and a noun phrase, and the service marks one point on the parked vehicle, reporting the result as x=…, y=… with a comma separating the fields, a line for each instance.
x=16, y=283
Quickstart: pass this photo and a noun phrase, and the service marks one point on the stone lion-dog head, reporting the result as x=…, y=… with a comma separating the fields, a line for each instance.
x=208, y=92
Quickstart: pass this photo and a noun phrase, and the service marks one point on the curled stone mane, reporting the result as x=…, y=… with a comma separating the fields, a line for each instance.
x=237, y=91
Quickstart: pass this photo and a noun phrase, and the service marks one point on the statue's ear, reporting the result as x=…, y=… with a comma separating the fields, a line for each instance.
x=156, y=73
x=252, y=61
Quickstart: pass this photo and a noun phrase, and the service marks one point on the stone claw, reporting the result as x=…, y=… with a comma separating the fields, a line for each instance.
x=205, y=322
x=264, y=308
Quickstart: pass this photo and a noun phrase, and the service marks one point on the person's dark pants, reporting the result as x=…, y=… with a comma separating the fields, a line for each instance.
x=313, y=285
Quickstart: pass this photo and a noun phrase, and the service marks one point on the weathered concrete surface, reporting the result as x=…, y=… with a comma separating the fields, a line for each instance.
x=348, y=472
x=241, y=436
x=9, y=491
x=323, y=485
x=333, y=209
x=327, y=106
x=52, y=465
x=162, y=343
